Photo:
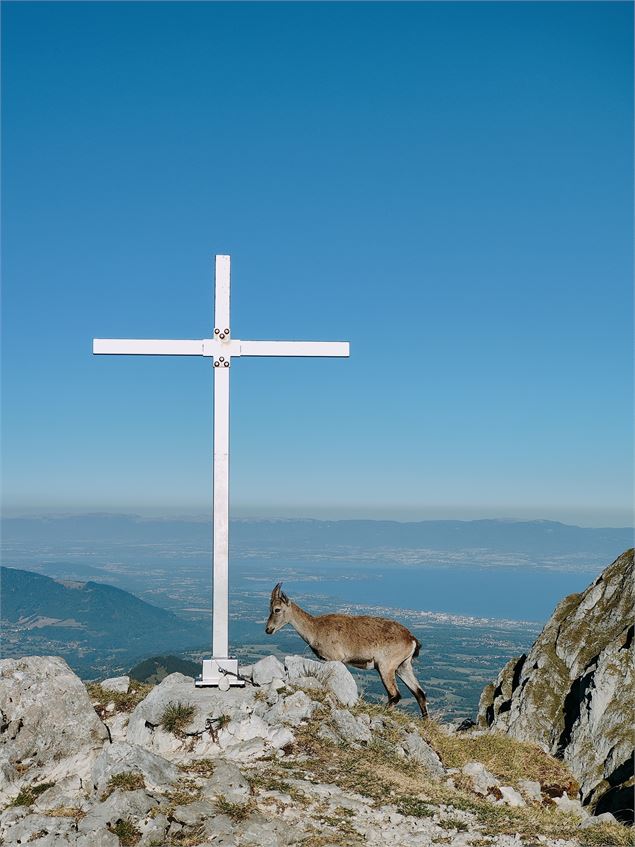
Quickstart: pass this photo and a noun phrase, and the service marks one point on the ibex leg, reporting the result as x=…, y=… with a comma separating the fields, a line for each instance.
x=387, y=675
x=405, y=672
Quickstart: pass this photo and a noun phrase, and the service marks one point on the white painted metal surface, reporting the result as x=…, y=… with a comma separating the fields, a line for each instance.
x=221, y=670
x=148, y=347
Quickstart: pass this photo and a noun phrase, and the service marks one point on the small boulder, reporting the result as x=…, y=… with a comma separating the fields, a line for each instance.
x=101, y=838
x=266, y=670
x=120, y=804
x=349, y=728
x=530, y=789
x=122, y=757
x=334, y=676
x=482, y=780
x=116, y=683
x=227, y=781
x=152, y=830
x=605, y=817
x=419, y=750
x=291, y=710
x=565, y=804
x=510, y=797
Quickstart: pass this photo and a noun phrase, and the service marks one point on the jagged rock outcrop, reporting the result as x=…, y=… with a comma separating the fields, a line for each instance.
x=573, y=693
x=47, y=723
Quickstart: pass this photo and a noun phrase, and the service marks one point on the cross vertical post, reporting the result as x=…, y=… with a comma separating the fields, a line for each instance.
x=220, y=548
x=220, y=670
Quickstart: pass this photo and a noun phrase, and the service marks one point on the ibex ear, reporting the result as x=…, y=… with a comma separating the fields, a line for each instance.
x=284, y=598
x=276, y=591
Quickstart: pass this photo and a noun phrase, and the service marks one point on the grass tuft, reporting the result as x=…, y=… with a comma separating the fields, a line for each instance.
x=29, y=793
x=126, y=832
x=236, y=811
x=413, y=807
x=176, y=716
x=124, y=781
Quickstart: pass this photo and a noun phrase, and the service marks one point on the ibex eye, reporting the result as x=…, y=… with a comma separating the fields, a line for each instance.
x=277, y=610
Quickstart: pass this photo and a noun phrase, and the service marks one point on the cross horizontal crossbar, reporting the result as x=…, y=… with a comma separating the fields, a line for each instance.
x=212, y=347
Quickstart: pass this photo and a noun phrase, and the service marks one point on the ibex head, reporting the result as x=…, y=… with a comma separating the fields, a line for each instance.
x=279, y=608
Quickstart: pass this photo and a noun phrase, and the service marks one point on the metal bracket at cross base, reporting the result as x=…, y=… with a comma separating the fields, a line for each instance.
x=222, y=673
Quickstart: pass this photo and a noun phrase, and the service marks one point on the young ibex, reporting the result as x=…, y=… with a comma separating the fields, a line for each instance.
x=362, y=641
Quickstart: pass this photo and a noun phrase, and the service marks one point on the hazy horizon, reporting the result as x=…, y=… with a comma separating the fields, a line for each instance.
x=597, y=520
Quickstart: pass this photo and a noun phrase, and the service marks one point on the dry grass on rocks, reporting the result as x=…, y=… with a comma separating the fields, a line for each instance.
x=126, y=832
x=386, y=778
x=123, y=701
x=236, y=811
x=506, y=758
x=66, y=812
x=124, y=781
x=29, y=793
x=198, y=767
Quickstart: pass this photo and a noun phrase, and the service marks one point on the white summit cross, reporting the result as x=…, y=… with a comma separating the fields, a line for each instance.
x=220, y=670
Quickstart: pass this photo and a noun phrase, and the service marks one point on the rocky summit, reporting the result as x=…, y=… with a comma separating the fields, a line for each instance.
x=573, y=693
x=293, y=758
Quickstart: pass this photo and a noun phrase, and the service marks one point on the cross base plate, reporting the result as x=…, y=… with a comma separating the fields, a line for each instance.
x=220, y=673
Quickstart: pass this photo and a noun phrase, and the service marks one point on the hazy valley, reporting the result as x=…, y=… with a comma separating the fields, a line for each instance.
x=475, y=593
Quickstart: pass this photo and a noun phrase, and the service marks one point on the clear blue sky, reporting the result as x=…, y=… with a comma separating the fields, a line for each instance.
x=448, y=186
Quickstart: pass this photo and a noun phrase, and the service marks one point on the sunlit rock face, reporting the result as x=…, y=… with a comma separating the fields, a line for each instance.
x=48, y=726
x=573, y=693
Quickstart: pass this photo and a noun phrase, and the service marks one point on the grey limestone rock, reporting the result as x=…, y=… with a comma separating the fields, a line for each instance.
x=47, y=718
x=220, y=830
x=334, y=676
x=482, y=779
x=266, y=670
x=572, y=693
x=530, y=789
x=327, y=734
x=261, y=832
x=192, y=814
x=116, y=683
x=419, y=750
x=349, y=728
x=605, y=817
x=33, y=826
x=291, y=710
x=120, y=804
x=144, y=726
x=153, y=830
x=101, y=838
x=227, y=781
x=566, y=804
x=122, y=757
x=67, y=792
x=510, y=797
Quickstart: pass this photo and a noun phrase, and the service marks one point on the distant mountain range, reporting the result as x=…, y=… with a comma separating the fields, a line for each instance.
x=94, y=626
x=538, y=538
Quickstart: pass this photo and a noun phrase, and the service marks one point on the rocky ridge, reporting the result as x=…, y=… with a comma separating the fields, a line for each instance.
x=573, y=693
x=294, y=757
